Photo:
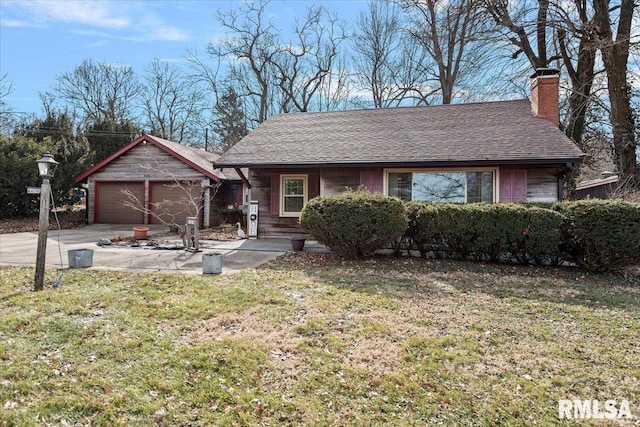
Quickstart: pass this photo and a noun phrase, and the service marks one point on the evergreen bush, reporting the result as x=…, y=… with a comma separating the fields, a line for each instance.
x=527, y=234
x=354, y=224
x=601, y=235
x=18, y=170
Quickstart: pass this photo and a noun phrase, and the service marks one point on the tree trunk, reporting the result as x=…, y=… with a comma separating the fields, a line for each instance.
x=581, y=81
x=615, y=54
x=622, y=123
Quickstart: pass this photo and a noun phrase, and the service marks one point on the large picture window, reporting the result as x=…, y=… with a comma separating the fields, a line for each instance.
x=442, y=186
x=293, y=190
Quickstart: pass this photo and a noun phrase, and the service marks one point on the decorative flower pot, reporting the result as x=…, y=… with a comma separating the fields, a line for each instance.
x=297, y=243
x=140, y=232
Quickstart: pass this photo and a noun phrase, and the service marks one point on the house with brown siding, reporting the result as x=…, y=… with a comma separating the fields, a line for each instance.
x=503, y=151
x=161, y=175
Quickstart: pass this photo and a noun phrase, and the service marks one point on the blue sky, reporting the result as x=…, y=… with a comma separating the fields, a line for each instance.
x=41, y=39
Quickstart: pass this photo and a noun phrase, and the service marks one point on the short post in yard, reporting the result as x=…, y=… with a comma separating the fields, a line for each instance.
x=192, y=234
x=45, y=167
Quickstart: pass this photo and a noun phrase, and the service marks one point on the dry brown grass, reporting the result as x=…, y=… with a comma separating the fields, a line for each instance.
x=316, y=340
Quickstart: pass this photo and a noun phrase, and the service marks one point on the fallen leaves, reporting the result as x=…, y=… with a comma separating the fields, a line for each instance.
x=67, y=219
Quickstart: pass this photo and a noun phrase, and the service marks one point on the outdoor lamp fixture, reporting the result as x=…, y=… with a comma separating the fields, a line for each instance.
x=46, y=166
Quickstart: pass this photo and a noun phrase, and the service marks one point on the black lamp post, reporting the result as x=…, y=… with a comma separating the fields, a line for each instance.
x=46, y=165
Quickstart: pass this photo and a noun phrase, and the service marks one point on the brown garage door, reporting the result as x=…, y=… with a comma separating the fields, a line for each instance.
x=172, y=203
x=110, y=203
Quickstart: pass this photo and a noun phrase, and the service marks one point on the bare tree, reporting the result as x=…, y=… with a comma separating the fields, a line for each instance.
x=517, y=21
x=203, y=73
x=101, y=91
x=167, y=211
x=6, y=115
x=615, y=56
x=302, y=65
x=335, y=90
x=388, y=63
x=529, y=27
x=272, y=74
x=247, y=54
x=578, y=49
x=452, y=33
x=172, y=104
x=6, y=87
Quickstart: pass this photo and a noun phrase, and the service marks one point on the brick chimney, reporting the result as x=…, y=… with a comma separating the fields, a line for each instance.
x=544, y=94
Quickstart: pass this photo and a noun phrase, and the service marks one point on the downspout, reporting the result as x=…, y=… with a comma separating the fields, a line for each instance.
x=86, y=203
x=565, y=170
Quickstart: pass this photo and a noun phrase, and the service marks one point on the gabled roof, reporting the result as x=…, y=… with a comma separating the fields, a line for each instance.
x=488, y=132
x=200, y=160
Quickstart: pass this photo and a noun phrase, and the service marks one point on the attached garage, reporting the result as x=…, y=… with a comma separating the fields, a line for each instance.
x=170, y=182
x=110, y=207
x=173, y=202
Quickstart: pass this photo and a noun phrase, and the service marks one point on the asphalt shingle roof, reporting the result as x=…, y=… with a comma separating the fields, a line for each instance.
x=201, y=160
x=204, y=159
x=502, y=131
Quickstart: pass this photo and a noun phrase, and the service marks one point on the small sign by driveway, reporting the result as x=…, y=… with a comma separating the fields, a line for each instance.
x=33, y=190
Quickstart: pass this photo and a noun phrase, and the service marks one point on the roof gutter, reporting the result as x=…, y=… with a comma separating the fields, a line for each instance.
x=444, y=163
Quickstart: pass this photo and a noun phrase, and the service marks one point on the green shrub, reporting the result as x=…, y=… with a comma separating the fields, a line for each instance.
x=485, y=231
x=543, y=242
x=354, y=224
x=229, y=215
x=444, y=229
x=527, y=234
x=18, y=170
x=601, y=235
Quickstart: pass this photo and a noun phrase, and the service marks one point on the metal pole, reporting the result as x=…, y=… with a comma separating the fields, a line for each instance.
x=43, y=228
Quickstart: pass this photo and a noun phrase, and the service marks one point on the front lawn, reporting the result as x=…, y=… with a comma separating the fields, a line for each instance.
x=313, y=340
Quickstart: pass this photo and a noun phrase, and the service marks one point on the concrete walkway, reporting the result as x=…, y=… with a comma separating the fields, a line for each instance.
x=20, y=249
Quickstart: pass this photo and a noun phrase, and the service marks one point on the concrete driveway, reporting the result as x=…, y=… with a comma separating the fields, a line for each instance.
x=20, y=249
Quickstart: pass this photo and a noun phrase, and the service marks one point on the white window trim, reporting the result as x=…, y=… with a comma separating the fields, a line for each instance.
x=304, y=177
x=495, y=171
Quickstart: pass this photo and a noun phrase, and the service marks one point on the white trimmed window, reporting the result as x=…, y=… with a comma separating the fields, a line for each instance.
x=459, y=186
x=293, y=194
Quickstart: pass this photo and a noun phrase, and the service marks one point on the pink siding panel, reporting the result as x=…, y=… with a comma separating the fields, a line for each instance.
x=313, y=189
x=275, y=194
x=519, y=186
x=505, y=186
x=372, y=181
x=513, y=185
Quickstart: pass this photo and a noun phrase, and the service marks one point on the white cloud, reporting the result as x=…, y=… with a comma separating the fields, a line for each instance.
x=16, y=23
x=155, y=29
x=103, y=14
x=118, y=20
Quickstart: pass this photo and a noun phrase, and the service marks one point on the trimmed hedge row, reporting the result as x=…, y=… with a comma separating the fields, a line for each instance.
x=601, y=235
x=492, y=232
x=597, y=235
